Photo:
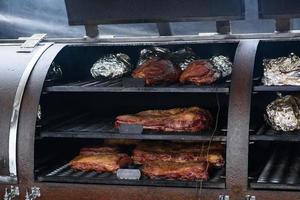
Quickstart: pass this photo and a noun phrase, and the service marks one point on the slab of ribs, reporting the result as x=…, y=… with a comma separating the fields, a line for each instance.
x=193, y=119
x=100, y=159
x=179, y=153
x=168, y=160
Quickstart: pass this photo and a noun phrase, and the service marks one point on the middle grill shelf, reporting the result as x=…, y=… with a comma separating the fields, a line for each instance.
x=91, y=126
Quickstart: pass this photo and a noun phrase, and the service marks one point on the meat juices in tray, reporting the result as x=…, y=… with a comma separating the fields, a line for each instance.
x=191, y=119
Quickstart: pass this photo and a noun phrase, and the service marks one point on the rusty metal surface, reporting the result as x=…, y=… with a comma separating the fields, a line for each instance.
x=237, y=144
x=239, y=118
x=28, y=112
x=11, y=72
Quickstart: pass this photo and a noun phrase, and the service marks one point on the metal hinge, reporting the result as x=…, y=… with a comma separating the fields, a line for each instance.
x=224, y=197
x=12, y=193
x=34, y=194
x=249, y=197
x=31, y=42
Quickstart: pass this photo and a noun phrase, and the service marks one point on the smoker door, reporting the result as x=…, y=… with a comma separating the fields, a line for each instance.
x=15, y=68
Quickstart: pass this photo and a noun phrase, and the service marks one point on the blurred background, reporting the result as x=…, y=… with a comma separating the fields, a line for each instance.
x=20, y=18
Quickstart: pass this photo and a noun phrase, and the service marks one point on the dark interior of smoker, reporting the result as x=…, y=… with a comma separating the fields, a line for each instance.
x=74, y=116
x=278, y=164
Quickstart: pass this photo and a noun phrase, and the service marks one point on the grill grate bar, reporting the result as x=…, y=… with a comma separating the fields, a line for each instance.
x=282, y=170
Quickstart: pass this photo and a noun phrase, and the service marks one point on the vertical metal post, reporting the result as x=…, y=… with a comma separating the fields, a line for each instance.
x=164, y=29
x=92, y=31
x=283, y=25
x=223, y=27
x=239, y=118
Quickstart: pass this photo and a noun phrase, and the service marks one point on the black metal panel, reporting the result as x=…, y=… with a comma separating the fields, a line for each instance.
x=279, y=8
x=134, y=11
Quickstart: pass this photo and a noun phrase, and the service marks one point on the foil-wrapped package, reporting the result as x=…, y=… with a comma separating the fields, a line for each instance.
x=111, y=66
x=282, y=71
x=222, y=65
x=153, y=52
x=54, y=73
x=184, y=57
x=39, y=113
x=283, y=114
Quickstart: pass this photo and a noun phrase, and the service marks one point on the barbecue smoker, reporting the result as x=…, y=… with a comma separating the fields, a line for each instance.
x=48, y=115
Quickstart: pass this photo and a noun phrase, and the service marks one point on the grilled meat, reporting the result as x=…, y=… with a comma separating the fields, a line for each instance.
x=199, y=72
x=99, y=150
x=180, y=171
x=191, y=119
x=175, y=152
x=103, y=162
x=157, y=70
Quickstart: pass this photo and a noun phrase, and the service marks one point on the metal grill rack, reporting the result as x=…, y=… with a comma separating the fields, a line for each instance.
x=118, y=85
x=91, y=126
x=64, y=174
x=266, y=133
x=282, y=169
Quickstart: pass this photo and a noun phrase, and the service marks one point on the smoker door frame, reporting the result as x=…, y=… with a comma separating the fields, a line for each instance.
x=13, y=79
x=237, y=140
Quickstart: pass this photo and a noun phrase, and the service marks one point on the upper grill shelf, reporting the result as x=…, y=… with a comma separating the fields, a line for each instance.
x=118, y=86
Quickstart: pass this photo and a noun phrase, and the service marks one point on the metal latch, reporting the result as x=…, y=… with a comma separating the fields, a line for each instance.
x=35, y=193
x=12, y=193
x=249, y=197
x=224, y=197
x=31, y=42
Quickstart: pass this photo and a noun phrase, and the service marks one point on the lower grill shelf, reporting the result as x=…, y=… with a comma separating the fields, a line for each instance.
x=64, y=174
x=282, y=170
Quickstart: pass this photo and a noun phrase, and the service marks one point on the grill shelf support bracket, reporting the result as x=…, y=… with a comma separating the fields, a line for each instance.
x=239, y=118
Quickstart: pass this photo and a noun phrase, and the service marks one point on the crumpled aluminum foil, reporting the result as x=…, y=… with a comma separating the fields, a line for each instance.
x=153, y=52
x=54, y=73
x=222, y=65
x=282, y=71
x=184, y=57
x=283, y=114
x=39, y=113
x=111, y=66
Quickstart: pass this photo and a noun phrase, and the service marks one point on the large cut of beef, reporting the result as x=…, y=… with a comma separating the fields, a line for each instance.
x=191, y=119
x=179, y=171
x=100, y=159
x=180, y=153
x=199, y=72
x=157, y=70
